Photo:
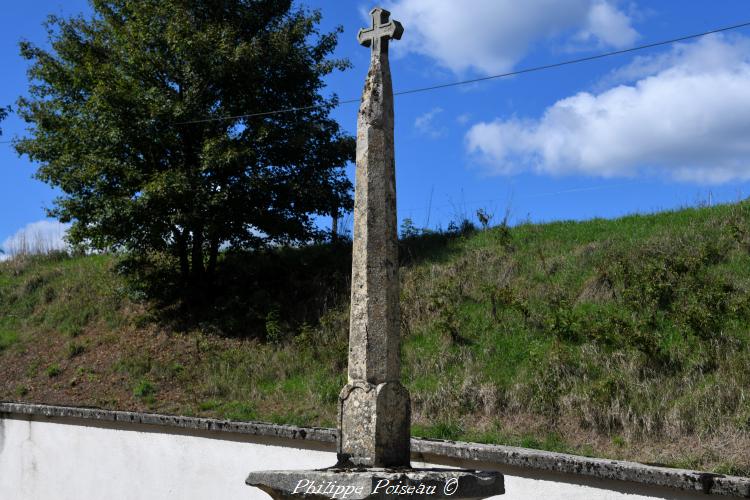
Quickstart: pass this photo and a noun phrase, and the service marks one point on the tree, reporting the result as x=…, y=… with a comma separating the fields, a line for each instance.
x=123, y=112
x=3, y=115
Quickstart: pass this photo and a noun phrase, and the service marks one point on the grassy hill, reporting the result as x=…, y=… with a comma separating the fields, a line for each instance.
x=625, y=338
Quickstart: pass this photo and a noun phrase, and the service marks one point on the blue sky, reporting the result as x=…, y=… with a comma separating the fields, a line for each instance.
x=652, y=130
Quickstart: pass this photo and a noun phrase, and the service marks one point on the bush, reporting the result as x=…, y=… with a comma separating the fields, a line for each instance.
x=75, y=349
x=144, y=390
x=53, y=370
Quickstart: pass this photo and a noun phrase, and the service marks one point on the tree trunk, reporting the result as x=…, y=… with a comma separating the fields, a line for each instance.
x=335, y=224
x=197, y=256
x=182, y=252
x=212, y=256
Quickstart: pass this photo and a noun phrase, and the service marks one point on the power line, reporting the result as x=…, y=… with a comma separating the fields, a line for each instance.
x=575, y=61
x=475, y=80
x=491, y=77
x=265, y=113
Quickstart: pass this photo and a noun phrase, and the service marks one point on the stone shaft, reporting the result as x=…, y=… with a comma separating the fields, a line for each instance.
x=374, y=320
x=374, y=408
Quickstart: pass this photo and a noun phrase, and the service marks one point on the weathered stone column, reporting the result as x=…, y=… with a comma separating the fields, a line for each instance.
x=374, y=408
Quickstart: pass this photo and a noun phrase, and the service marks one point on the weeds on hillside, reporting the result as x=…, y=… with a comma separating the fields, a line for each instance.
x=598, y=337
x=58, y=293
x=635, y=328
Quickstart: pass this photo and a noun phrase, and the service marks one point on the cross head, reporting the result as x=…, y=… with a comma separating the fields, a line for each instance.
x=381, y=31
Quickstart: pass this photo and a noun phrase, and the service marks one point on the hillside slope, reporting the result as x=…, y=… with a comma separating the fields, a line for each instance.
x=625, y=338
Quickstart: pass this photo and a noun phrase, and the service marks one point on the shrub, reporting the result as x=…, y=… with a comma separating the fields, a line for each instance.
x=53, y=370
x=144, y=389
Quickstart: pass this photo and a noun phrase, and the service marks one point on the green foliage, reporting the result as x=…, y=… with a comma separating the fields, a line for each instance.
x=32, y=368
x=3, y=115
x=136, y=365
x=117, y=110
x=7, y=338
x=238, y=411
x=624, y=338
x=75, y=349
x=464, y=227
x=144, y=389
x=551, y=442
x=408, y=229
x=441, y=430
x=53, y=370
x=174, y=370
x=273, y=327
x=62, y=294
x=600, y=324
x=268, y=293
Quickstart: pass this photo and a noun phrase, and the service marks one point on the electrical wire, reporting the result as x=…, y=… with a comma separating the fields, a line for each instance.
x=491, y=77
x=474, y=80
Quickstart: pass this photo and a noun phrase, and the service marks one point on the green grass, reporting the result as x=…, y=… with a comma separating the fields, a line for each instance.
x=61, y=295
x=622, y=328
x=7, y=338
x=146, y=391
x=616, y=338
x=53, y=370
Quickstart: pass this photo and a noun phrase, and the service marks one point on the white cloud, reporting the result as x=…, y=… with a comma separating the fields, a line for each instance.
x=609, y=26
x=463, y=118
x=491, y=36
x=686, y=116
x=425, y=124
x=42, y=236
x=707, y=55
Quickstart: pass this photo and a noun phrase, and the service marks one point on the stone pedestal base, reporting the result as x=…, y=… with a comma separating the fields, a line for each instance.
x=374, y=425
x=357, y=484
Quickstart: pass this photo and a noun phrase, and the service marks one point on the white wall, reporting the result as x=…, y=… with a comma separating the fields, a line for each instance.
x=47, y=459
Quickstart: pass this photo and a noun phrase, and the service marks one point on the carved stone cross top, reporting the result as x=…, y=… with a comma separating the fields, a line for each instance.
x=382, y=30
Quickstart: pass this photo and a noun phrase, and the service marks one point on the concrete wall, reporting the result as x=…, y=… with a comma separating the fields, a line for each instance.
x=81, y=459
x=77, y=461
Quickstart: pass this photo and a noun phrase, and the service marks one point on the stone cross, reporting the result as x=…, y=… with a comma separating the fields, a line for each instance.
x=374, y=408
x=381, y=31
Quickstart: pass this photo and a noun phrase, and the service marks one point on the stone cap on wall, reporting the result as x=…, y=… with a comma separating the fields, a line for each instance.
x=423, y=449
